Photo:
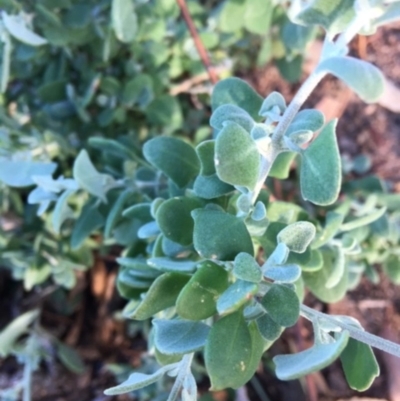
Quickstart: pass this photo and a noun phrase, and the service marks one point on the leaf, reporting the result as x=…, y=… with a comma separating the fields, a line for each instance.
x=138, y=380
x=70, y=358
x=316, y=281
x=205, y=152
x=89, y=220
x=211, y=187
x=161, y=295
x=237, y=92
x=110, y=146
x=230, y=18
x=219, y=235
x=290, y=367
x=307, y=120
x=297, y=236
x=282, y=304
x=281, y=165
x=338, y=268
x=19, y=173
x=138, y=91
x=246, y=268
x=268, y=328
x=10, y=334
x=233, y=113
x=62, y=211
x=237, y=294
x=175, y=158
x=114, y=214
x=172, y=265
x=364, y=220
x=359, y=365
x=198, y=299
x=89, y=178
x=165, y=110
x=228, y=352
x=16, y=26
x=283, y=273
x=320, y=175
x=391, y=267
x=335, y=15
x=333, y=222
x=364, y=78
x=237, y=160
x=175, y=220
x=179, y=337
x=314, y=263
x=124, y=20
x=258, y=16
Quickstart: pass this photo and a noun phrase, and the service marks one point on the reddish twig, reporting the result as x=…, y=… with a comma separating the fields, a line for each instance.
x=197, y=41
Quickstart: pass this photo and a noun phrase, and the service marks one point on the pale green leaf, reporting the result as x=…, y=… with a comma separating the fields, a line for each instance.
x=237, y=294
x=297, y=236
x=246, y=268
x=363, y=221
x=124, y=20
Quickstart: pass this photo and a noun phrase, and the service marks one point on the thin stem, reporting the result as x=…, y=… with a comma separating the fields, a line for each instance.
x=358, y=334
x=27, y=379
x=197, y=41
x=183, y=371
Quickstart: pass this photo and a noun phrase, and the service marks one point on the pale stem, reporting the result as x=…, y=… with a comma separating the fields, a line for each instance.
x=184, y=368
x=27, y=378
x=360, y=335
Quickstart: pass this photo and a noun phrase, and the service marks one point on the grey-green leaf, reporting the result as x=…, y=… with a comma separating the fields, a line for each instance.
x=297, y=236
x=364, y=78
x=231, y=112
x=238, y=294
x=237, y=160
x=289, y=367
x=246, y=268
x=321, y=176
x=179, y=336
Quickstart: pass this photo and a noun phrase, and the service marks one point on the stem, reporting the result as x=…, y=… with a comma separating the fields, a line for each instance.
x=360, y=335
x=183, y=371
x=197, y=41
x=27, y=379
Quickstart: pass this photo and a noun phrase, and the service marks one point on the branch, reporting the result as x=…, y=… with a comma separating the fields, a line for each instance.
x=197, y=41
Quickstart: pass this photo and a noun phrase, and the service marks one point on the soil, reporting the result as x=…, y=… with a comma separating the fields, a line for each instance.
x=101, y=339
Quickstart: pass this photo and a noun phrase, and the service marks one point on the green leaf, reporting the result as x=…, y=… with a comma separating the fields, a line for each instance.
x=282, y=304
x=174, y=337
x=233, y=113
x=237, y=294
x=138, y=91
x=10, y=334
x=124, y=20
x=228, y=352
x=391, y=266
x=140, y=211
x=333, y=222
x=165, y=110
x=258, y=16
x=175, y=158
x=364, y=220
x=205, y=152
x=268, y=328
x=16, y=26
x=364, y=78
x=237, y=92
x=231, y=16
x=320, y=175
x=70, y=358
x=175, y=220
x=314, y=263
x=338, y=268
x=334, y=15
x=237, y=160
x=89, y=178
x=316, y=281
x=89, y=220
x=290, y=367
x=198, y=299
x=161, y=295
x=111, y=146
x=246, y=268
x=307, y=120
x=20, y=173
x=220, y=235
x=297, y=236
x=281, y=166
x=359, y=365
